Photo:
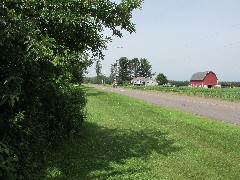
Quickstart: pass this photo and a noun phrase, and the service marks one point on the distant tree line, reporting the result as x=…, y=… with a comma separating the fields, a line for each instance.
x=94, y=80
x=124, y=69
x=179, y=83
x=231, y=83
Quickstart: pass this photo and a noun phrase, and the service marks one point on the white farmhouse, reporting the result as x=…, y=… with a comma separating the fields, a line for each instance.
x=142, y=81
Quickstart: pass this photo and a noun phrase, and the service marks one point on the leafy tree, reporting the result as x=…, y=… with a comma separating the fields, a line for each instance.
x=113, y=71
x=134, y=66
x=144, y=68
x=123, y=70
x=128, y=69
x=98, y=69
x=45, y=47
x=161, y=79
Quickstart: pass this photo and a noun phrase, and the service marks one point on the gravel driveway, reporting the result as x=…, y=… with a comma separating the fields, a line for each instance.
x=215, y=109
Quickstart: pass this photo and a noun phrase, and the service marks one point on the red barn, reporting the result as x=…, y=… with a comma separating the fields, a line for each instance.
x=204, y=79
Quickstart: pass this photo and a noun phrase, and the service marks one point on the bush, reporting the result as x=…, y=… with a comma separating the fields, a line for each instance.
x=8, y=161
x=35, y=127
x=45, y=47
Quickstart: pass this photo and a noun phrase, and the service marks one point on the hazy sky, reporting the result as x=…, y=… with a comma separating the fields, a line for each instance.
x=181, y=37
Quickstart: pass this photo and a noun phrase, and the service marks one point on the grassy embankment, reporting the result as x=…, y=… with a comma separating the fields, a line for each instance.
x=125, y=138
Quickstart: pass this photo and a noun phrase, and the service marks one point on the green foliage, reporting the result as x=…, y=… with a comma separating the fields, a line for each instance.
x=179, y=83
x=161, y=79
x=93, y=80
x=230, y=84
x=124, y=69
x=98, y=69
x=113, y=72
x=88, y=80
x=8, y=161
x=107, y=80
x=45, y=47
x=144, y=68
x=134, y=66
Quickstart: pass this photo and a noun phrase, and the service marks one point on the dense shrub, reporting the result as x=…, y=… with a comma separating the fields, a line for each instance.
x=45, y=47
x=27, y=130
x=39, y=103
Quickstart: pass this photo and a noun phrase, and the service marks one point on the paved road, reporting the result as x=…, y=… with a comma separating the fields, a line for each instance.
x=215, y=109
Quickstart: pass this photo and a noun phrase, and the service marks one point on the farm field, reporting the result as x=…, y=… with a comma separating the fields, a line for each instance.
x=231, y=94
x=125, y=138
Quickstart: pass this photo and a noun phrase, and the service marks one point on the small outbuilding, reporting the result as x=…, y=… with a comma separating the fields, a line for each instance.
x=206, y=79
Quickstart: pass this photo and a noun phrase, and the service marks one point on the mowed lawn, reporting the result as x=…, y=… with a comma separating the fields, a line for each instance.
x=125, y=138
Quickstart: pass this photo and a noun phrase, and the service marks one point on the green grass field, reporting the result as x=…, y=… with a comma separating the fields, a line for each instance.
x=125, y=138
x=231, y=94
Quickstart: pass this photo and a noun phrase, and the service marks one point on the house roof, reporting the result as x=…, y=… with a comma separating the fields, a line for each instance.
x=199, y=75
